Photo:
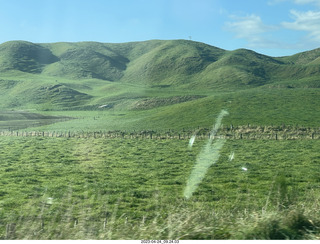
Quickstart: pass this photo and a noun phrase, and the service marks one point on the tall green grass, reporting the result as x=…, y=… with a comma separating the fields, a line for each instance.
x=59, y=188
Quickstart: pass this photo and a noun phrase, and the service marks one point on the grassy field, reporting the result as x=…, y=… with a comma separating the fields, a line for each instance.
x=77, y=188
x=102, y=188
x=260, y=107
x=59, y=188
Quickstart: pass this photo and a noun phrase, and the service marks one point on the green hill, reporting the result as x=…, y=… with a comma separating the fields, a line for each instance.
x=172, y=63
x=175, y=62
x=159, y=81
x=305, y=58
x=25, y=56
x=86, y=60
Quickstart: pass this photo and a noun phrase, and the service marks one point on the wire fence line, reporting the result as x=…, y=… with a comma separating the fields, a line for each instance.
x=237, y=133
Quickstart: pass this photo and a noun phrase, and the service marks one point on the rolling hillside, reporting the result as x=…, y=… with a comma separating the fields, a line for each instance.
x=177, y=82
x=24, y=56
x=176, y=63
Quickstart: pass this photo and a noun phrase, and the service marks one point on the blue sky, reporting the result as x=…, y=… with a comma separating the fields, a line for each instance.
x=271, y=27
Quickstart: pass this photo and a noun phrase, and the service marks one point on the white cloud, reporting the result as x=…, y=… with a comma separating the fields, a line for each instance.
x=274, y=2
x=260, y=35
x=316, y=2
x=299, y=2
x=248, y=26
x=251, y=28
x=305, y=21
x=304, y=28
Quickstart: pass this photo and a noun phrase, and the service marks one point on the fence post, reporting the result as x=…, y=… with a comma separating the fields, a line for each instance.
x=7, y=231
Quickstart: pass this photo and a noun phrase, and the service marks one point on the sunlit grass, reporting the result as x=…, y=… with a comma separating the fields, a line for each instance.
x=60, y=188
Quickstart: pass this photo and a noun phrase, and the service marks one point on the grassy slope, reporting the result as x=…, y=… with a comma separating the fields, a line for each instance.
x=83, y=76
x=173, y=63
x=297, y=108
x=25, y=56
